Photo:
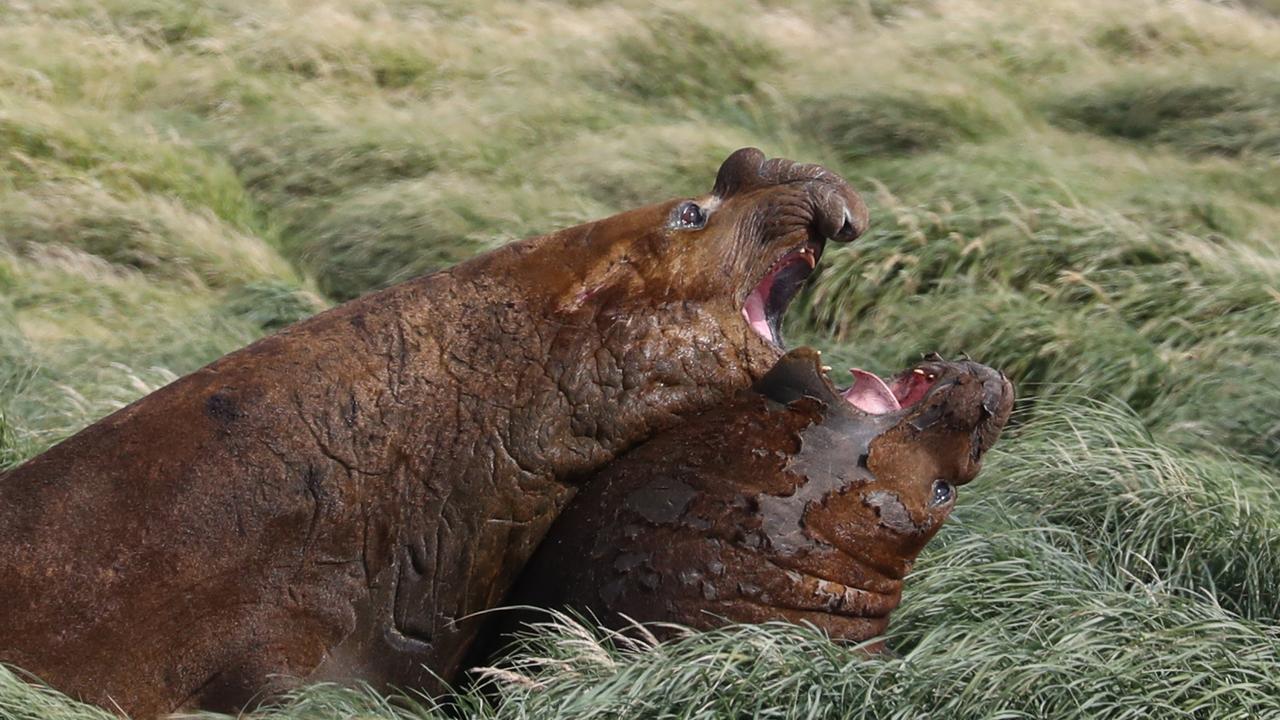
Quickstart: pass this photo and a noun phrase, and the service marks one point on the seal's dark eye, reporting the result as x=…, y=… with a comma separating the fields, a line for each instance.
x=942, y=492
x=689, y=215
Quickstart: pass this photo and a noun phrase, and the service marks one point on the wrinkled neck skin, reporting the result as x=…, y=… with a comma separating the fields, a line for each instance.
x=581, y=351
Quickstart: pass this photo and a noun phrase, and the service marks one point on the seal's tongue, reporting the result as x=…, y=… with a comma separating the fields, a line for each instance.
x=869, y=393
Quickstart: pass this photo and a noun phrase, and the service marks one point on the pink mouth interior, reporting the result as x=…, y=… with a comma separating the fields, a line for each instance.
x=868, y=393
x=755, y=310
x=874, y=396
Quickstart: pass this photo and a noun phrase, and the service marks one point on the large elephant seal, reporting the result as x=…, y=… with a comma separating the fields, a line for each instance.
x=795, y=502
x=335, y=501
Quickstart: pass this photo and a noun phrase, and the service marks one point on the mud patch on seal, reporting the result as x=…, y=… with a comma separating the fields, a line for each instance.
x=832, y=459
x=891, y=512
x=661, y=503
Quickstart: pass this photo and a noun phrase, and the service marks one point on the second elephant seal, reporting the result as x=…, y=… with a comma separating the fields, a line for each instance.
x=793, y=502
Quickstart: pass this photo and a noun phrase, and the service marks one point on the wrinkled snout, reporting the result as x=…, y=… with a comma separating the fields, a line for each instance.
x=996, y=404
x=964, y=408
x=838, y=211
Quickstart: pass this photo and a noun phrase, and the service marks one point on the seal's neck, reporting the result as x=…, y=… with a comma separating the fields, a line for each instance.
x=567, y=270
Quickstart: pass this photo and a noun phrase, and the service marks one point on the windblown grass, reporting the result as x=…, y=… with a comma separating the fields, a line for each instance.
x=1082, y=193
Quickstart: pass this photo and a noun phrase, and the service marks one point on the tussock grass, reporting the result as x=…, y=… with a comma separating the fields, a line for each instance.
x=1232, y=115
x=1082, y=193
x=151, y=234
x=272, y=304
x=1085, y=656
x=678, y=56
x=298, y=162
x=1150, y=511
x=895, y=123
x=20, y=699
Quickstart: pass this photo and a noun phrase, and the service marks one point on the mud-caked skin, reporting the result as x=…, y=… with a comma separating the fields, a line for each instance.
x=787, y=503
x=331, y=501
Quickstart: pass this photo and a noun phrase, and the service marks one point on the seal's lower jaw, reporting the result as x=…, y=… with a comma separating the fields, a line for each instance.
x=768, y=301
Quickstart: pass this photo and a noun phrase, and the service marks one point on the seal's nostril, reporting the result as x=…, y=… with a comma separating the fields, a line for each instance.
x=853, y=222
x=848, y=229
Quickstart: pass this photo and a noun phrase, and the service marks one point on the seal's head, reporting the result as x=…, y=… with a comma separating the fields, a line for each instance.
x=768, y=221
x=798, y=502
x=739, y=253
x=876, y=477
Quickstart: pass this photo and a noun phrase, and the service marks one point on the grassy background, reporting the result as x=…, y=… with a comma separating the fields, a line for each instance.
x=1082, y=192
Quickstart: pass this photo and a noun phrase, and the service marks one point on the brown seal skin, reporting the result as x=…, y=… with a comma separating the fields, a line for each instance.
x=787, y=503
x=331, y=501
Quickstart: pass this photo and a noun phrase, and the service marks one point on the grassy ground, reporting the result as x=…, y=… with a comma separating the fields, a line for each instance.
x=1082, y=192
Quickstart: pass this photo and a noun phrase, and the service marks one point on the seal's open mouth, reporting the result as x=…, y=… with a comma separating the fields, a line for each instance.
x=874, y=396
x=768, y=302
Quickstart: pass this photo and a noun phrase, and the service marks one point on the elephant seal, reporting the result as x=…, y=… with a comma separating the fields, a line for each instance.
x=794, y=502
x=335, y=501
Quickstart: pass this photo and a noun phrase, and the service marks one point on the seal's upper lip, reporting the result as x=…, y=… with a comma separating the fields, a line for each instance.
x=767, y=302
